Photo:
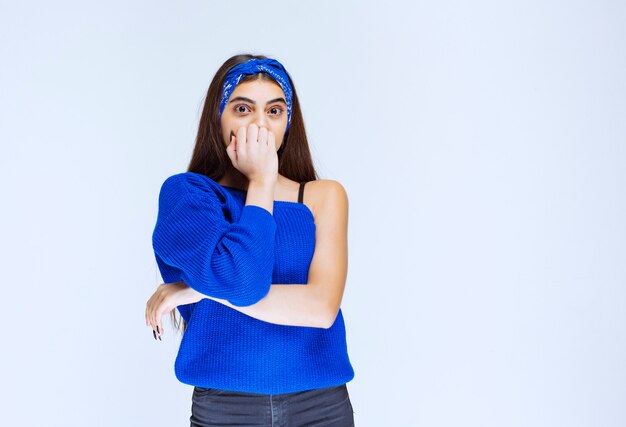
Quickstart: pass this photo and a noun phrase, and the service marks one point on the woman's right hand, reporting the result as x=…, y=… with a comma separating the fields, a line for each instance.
x=253, y=152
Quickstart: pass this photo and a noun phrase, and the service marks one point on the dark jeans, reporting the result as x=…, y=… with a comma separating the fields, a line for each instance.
x=328, y=406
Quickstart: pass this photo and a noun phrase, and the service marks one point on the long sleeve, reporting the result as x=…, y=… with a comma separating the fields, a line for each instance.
x=232, y=261
x=207, y=236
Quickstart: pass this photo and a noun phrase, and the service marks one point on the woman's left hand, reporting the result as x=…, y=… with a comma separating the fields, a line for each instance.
x=166, y=298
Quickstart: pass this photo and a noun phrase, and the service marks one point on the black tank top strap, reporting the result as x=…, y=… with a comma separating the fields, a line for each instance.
x=301, y=193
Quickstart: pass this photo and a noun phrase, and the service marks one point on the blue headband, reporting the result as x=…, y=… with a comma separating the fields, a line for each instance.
x=253, y=66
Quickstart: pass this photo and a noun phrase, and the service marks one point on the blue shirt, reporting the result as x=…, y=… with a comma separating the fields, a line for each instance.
x=206, y=236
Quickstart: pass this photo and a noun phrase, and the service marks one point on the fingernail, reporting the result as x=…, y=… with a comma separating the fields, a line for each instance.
x=160, y=338
x=158, y=329
x=154, y=333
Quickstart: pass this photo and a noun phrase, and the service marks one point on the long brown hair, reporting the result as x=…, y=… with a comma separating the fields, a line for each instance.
x=209, y=154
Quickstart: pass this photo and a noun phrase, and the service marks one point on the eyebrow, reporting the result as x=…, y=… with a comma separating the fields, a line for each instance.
x=271, y=101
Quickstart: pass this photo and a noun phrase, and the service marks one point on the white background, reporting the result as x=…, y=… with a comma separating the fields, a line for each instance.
x=483, y=148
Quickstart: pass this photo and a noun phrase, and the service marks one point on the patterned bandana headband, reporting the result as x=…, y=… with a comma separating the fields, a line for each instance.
x=253, y=66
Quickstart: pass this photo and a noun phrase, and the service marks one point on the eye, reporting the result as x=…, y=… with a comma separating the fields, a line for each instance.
x=280, y=110
x=239, y=106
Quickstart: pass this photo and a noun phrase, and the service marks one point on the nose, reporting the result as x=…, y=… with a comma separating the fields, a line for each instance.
x=260, y=118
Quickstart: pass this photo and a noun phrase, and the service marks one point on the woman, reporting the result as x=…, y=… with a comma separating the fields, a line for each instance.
x=255, y=265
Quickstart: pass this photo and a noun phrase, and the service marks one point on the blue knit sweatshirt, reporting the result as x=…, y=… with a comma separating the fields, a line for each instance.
x=206, y=236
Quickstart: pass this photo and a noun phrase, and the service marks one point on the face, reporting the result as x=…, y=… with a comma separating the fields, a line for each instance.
x=259, y=101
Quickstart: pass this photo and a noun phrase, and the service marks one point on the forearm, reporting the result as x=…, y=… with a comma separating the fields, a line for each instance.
x=293, y=305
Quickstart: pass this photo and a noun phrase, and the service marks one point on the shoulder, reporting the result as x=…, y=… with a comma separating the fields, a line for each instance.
x=327, y=189
x=190, y=182
x=189, y=186
x=326, y=196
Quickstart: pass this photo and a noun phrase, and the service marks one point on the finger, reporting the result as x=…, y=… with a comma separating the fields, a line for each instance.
x=153, y=315
x=271, y=139
x=263, y=135
x=233, y=140
x=240, y=136
x=149, y=316
x=253, y=133
x=160, y=312
x=157, y=317
x=151, y=309
x=160, y=308
x=148, y=305
x=231, y=150
x=152, y=302
x=240, y=140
